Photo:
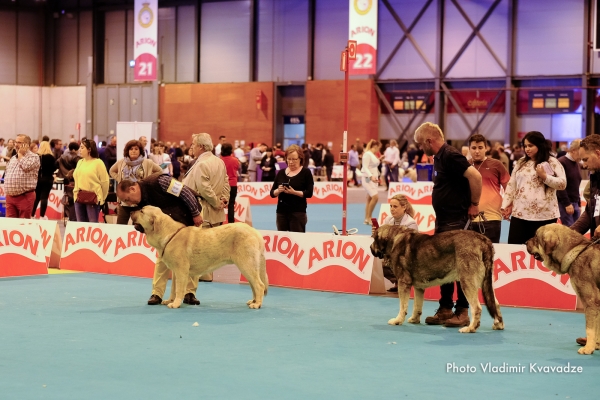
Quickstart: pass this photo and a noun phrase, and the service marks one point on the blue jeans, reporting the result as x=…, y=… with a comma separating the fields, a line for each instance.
x=566, y=219
x=87, y=212
x=391, y=175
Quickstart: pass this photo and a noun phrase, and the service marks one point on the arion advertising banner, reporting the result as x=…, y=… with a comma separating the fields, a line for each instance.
x=145, y=39
x=363, y=29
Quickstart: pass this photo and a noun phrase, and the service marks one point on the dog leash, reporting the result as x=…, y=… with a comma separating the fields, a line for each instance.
x=468, y=224
x=169, y=241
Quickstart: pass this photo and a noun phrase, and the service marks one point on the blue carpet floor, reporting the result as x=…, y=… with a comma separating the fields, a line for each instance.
x=87, y=336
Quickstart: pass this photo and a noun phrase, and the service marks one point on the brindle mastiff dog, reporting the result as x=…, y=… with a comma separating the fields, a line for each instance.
x=423, y=261
x=191, y=251
x=565, y=251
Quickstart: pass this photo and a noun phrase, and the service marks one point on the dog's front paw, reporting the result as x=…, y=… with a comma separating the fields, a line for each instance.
x=415, y=320
x=586, y=350
x=175, y=304
x=498, y=326
x=167, y=302
x=250, y=302
x=254, y=305
x=467, y=329
x=395, y=321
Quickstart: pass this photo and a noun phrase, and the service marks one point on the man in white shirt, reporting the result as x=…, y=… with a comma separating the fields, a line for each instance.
x=222, y=139
x=238, y=152
x=391, y=159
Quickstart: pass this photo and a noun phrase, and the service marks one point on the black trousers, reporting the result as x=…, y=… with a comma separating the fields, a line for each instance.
x=42, y=192
x=521, y=230
x=491, y=229
x=447, y=290
x=291, y=222
x=231, y=205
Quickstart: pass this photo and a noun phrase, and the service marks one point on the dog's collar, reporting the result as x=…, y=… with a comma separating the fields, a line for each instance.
x=572, y=255
x=169, y=241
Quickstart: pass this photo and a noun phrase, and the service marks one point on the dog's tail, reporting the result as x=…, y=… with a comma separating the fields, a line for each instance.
x=487, y=287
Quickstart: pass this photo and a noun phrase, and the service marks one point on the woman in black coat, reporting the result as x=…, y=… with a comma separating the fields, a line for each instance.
x=267, y=164
x=45, y=179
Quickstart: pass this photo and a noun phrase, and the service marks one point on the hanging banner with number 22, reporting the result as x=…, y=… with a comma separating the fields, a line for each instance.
x=363, y=29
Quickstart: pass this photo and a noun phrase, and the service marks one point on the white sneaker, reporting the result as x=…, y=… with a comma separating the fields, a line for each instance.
x=45, y=218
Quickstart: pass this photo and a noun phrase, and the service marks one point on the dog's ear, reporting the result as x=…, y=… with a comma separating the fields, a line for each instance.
x=550, y=239
x=151, y=220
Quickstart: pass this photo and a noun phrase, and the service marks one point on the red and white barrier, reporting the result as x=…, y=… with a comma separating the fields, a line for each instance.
x=21, y=250
x=259, y=192
x=416, y=192
x=318, y=261
x=54, y=211
x=107, y=249
x=50, y=236
x=241, y=209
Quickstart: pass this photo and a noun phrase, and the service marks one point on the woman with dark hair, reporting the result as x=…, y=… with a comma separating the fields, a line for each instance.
x=293, y=186
x=134, y=166
x=91, y=183
x=267, y=164
x=232, y=165
x=530, y=198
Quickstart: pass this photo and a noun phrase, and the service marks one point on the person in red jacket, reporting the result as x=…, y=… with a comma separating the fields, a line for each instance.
x=232, y=164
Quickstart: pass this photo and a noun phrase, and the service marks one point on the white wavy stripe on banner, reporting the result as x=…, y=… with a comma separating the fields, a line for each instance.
x=113, y=238
x=554, y=281
x=31, y=242
x=412, y=190
x=298, y=249
x=255, y=190
x=323, y=190
x=505, y=252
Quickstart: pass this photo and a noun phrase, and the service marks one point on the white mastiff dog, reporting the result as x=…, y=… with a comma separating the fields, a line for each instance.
x=190, y=251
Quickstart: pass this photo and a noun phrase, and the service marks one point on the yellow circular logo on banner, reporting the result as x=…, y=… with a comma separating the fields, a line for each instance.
x=146, y=16
x=363, y=6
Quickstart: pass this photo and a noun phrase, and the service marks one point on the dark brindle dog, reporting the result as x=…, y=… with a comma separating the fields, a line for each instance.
x=423, y=261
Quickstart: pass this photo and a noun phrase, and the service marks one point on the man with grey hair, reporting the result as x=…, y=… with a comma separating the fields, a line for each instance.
x=208, y=177
x=256, y=154
x=21, y=179
x=568, y=199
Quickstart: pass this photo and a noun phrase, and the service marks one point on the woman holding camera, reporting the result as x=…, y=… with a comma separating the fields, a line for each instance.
x=292, y=186
x=91, y=183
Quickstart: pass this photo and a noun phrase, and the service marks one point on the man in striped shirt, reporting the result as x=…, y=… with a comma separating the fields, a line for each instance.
x=21, y=179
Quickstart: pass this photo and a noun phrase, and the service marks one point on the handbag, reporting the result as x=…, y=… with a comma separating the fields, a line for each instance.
x=87, y=197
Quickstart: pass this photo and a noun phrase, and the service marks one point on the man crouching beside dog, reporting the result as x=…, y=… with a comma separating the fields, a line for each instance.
x=180, y=203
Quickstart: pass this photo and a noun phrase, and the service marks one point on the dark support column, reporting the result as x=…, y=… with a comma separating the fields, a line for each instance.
x=510, y=112
x=440, y=100
x=587, y=95
x=253, y=40
x=311, y=39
